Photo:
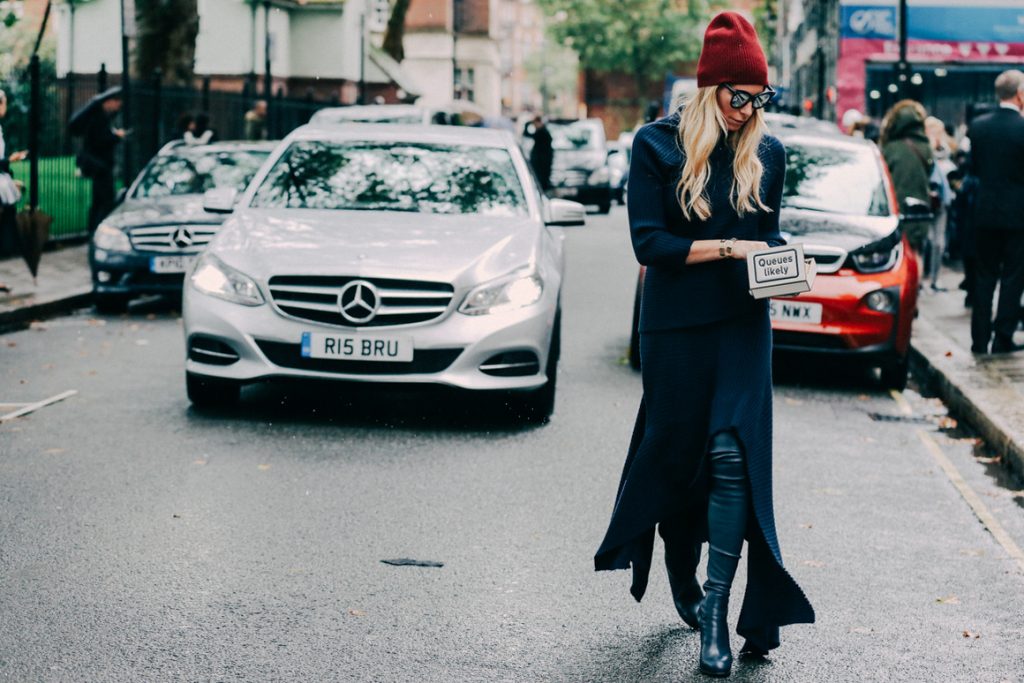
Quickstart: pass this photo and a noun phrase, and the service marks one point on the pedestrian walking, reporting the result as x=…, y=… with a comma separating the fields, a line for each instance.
x=199, y=131
x=909, y=157
x=256, y=121
x=705, y=190
x=997, y=147
x=99, y=141
x=542, y=153
x=9, y=193
x=943, y=147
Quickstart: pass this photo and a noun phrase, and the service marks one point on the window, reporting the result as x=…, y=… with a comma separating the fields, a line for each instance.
x=465, y=88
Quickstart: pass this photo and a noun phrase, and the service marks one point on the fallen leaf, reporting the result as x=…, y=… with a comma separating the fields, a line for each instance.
x=948, y=600
x=263, y=468
x=949, y=354
x=972, y=552
x=972, y=634
x=406, y=562
x=863, y=397
x=198, y=462
x=11, y=344
x=357, y=612
x=806, y=526
x=53, y=451
x=96, y=322
x=794, y=402
x=817, y=564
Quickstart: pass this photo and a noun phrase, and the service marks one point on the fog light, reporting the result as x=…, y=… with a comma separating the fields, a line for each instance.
x=100, y=255
x=881, y=301
x=103, y=276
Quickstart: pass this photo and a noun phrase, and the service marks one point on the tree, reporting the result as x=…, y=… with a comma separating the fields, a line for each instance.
x=166, y=40
x=643, y=38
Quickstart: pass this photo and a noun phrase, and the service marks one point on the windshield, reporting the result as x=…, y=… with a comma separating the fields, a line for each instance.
x=834, y=179
x=577, y=135
x=387, y=176
x=412, y=117
x=193, y=171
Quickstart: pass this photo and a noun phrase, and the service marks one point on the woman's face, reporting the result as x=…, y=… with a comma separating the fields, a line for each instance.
x=3, y=107
x=736, y=118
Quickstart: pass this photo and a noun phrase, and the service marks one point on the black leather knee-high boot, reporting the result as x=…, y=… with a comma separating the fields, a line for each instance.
x=682, y=555
x=727, y=518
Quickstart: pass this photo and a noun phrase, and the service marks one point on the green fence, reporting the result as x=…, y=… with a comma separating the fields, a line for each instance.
x=63, y=194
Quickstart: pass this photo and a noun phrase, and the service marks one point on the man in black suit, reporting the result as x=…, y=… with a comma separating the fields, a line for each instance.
x=997, y=157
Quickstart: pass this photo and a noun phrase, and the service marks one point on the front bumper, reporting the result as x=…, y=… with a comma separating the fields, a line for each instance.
x=252, y=344
x=131, y=273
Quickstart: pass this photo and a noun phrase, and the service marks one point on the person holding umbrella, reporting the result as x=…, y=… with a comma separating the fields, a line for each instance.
x=99, y=140
x=705, y=190
x=7, y=210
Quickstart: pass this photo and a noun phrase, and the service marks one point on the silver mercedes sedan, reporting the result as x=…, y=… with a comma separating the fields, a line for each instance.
x=386, y=254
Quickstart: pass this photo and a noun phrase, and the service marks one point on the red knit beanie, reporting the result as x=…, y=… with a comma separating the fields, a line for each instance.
x=731, y=53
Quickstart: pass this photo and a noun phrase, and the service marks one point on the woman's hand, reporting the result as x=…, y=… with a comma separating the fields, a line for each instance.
x=744, y=247
x=18, y=156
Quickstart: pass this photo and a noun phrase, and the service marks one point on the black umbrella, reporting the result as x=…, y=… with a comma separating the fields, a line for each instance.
x=79, y=121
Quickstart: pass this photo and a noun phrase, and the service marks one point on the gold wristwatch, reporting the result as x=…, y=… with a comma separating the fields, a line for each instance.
x=725, y=247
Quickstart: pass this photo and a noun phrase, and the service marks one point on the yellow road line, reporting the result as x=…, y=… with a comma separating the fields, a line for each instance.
x=966, y=492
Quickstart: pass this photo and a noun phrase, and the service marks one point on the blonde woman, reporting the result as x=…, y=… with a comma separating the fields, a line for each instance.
x=705, y=190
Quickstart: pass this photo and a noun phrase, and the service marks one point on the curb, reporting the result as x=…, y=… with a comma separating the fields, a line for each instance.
x=934, y=359
x=20, y=318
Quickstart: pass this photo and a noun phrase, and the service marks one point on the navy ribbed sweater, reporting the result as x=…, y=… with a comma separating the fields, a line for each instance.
x=675, y=294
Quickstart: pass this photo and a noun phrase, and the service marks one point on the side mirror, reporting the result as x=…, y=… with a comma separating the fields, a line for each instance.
x=220, y=200
x=915, y=209
x=562, y=213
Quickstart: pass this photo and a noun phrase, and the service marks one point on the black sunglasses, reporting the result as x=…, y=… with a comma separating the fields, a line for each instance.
x=741, y=97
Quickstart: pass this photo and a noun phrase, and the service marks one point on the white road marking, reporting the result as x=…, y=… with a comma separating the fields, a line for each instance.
x=32, y=407
x=966, y=492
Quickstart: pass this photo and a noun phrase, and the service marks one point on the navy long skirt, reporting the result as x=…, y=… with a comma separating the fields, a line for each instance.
x=699, y=381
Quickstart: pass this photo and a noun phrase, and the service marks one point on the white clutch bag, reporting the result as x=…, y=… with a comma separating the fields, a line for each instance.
x=780, y=271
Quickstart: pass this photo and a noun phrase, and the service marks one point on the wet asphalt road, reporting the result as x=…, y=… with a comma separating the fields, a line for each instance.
x=140, y=540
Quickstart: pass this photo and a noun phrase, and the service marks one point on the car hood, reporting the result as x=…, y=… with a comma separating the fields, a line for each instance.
x=457, y=249
x=833, y=229
x=184, y=209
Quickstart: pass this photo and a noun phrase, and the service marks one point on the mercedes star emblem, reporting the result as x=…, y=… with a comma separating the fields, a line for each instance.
x=358, y=301
x=182, y=238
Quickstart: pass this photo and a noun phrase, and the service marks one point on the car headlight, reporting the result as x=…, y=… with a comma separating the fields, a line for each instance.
x=878, y=256
x=882, y=300
x=214, y=277
x=599, y=176
x=110, y=238
x=507, y=295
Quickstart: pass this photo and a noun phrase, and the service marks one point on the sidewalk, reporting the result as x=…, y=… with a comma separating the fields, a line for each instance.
x=63, y=285
x=985, y=391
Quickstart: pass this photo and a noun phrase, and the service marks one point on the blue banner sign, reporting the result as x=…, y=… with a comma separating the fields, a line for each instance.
x=943, y=23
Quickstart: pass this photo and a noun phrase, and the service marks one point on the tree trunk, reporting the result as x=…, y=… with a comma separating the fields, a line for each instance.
x=396, y=31
x=166, y=40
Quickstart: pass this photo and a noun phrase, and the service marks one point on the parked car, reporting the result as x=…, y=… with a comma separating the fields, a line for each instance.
x=148, y=242
x=840, y=204
x=384, y=254
x=580, y=169
x=456, y=113
x=618, y=166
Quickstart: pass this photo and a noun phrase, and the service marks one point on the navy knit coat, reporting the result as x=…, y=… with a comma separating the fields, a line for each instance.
x=664, y=481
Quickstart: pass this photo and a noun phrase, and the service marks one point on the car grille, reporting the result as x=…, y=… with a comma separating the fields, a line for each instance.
x=807, y=340
x=175, y=239
x=827, y=259
x=424, y=361
x=402, y=302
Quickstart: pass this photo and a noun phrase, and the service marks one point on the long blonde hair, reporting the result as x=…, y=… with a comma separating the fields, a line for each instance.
x=701, y=125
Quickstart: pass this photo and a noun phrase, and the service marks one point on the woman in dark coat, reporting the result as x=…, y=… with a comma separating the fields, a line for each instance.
x=705, y=190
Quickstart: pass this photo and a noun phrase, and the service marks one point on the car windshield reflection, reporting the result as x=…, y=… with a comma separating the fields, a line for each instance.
x=834, y=180
x=384, y=176
x=195, y=172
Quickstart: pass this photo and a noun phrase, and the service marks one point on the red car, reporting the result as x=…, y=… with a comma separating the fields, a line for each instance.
x=840, y=204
